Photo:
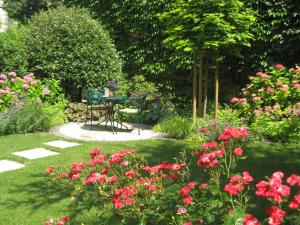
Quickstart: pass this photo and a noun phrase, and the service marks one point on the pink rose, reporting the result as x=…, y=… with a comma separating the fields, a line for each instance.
x=13, y=74
x=25, y=86
x=284, y=89
x=234, y=100
x=296, y=86
x=3, y=76
x=181, y=210
x=46, y=91
x=270, y=90
x=238, y=151
x=256, y=98
x=279, y=66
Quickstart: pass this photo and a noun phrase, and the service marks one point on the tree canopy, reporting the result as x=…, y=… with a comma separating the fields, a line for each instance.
x=208, y=24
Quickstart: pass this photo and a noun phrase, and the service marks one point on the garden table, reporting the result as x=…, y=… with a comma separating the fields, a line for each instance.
x=111, y=102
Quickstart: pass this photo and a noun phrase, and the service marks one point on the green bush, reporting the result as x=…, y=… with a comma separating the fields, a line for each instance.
x=26, y=117
x=17, y=88
x=175, y=126
x=287, y=130
x=66, y=43
x=13, y=49
x=207, y=128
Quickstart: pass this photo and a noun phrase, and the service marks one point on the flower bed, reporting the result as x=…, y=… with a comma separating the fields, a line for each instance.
x=126, y=187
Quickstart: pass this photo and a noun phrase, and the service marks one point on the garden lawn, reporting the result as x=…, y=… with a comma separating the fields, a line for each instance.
x=28, y=198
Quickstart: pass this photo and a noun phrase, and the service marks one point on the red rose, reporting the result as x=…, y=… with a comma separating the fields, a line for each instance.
x=187, y=200
x=250, y=220
x=238, y=151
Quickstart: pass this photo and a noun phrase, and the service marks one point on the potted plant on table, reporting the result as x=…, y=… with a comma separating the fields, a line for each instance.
x=111, y=86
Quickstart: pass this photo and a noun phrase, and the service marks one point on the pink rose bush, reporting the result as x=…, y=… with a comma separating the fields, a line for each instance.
x=128, y=188
x=275, y=92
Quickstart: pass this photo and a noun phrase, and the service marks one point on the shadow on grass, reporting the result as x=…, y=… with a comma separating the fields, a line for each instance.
x=264, y=159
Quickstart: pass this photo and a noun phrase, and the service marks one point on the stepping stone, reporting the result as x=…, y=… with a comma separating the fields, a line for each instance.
x=35, y=153
x=61, y=144
x=6, y=165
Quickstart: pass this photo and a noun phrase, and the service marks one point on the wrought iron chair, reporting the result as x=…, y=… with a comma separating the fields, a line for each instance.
x=138, y=102
x=93, y=98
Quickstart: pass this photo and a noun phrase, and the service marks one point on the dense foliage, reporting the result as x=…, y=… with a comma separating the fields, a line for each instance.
x=138, y=33
x=66, y=43
x=13, y=49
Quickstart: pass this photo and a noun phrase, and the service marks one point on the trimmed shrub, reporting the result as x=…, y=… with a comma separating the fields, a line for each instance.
x=66, y=43
x=13, y=49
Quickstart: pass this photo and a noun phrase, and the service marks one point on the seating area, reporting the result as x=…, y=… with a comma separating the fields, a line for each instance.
x=112, y=110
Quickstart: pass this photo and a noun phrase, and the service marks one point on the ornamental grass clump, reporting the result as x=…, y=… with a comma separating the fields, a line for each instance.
x=131, y=191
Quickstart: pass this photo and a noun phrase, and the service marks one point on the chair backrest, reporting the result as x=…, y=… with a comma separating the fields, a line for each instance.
x=139, y=101
x=94, y=96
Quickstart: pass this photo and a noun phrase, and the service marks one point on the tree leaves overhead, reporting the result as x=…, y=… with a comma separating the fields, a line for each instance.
x=192, y=25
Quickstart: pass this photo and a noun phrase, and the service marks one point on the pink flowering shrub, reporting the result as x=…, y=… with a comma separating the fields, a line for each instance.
x=126, y=187
x=275, y=93
x=14, y=88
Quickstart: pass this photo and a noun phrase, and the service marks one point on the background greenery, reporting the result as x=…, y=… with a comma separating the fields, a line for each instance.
x=138, y=35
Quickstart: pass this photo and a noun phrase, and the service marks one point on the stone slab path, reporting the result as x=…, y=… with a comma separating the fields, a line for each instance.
x=61, y=144
x=35, y=153
x=7, y=165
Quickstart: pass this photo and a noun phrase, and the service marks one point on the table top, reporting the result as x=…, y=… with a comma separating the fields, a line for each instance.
x=116, y=99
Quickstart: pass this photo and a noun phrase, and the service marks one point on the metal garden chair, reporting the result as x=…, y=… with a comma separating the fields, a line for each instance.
x=138, y=102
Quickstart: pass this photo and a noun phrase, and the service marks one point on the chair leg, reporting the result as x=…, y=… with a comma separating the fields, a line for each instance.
x=86, y=115
x=91, y=118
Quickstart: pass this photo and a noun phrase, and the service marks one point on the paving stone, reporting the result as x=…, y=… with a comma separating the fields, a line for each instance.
x=35, y=153
x=61, y=144
x=6, y=165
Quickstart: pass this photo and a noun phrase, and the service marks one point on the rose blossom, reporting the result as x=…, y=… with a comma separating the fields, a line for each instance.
x=256, y=98
x=296, y=86
x=181, y=210
x=46, y=91
x=238, y=151
x=13, y=74
x=234, y=100
x=187, y=223
x=278, y=84
x=270, y=90
x=250, y=220
x=295, y=203
x=275, y=215
x=187, y=200
x=124, y=163
x=284, y=88
x=3, y=77
x=25, y=86
x=2, y=81
x=279, y=66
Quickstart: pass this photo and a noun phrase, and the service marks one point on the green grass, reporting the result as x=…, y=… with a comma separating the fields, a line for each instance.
x=27, y=198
